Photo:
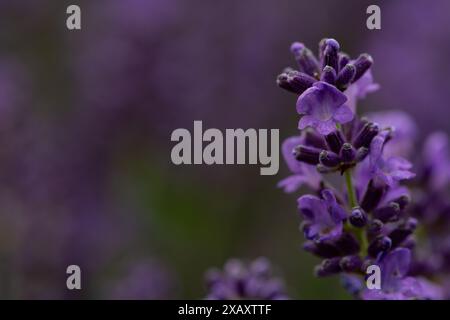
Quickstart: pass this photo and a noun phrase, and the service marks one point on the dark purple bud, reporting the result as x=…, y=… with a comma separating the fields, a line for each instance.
x=294, y=81
x=329, y=159
x=375, y=228
x=380, y=244
x=348, y=153
x=366, y=135
x=358, y=124
x=351, y=263
x=307, y=154
x=403, y=231
x=361, y=154
x=306, y=60
x=328, y=75
x=345, y=76
x=372, y=197
x=387, y=213
x=362, y=64
x=347, y=244
x=358, y=217
x=313, y=139
x=335, y=140
x=321, y=249
x=402, y=201
x=330, y=57
x=343, y=60
x=328, y=267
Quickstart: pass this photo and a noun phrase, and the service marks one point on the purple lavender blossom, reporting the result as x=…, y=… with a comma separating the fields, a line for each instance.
x=241, y=281
x=322, y=217
x=303, y=173
x=322, y=107
x=390, y=170
x=395, y=284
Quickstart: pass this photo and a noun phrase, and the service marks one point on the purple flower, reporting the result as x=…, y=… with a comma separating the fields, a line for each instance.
x=395, y=284
x=303, y=173
x=240, y=281
x=390, y=170
x=323, y=217
x=322, y=107
x=360, y=89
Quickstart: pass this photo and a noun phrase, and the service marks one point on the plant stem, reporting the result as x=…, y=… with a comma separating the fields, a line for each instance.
x=350, y=189
x=358, y=232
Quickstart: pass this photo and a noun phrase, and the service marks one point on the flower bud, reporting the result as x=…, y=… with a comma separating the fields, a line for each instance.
x=306, y=60
x=362, y=64
x=387, y=213
x=365, y=136
x=328, y=75
x=372, y=197
x=343, y=60
x=307, y=154
x=335, y=140
x=330, y=57
x=328, y=267
x=380, y=244
x=348, y=153
x=358, y=217
x=294, y=81
x=345, y=76
x=350, y=263
x=329, y=159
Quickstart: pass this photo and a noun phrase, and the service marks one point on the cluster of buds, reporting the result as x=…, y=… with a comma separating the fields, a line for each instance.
x=333, y=67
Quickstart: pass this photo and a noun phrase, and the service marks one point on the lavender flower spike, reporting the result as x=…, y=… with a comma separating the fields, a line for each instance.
x=389, y=170
x=322, y=107
x=323, y=217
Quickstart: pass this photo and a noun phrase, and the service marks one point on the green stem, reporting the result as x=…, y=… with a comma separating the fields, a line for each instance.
x=359, y=232
x=350, y=189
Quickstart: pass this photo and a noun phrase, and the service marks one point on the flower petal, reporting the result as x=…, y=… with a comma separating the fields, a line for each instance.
x=292, y=183
x=287, y=149
x=307, y=101
x=307, y=121
x=326, y=127
x=343, y=114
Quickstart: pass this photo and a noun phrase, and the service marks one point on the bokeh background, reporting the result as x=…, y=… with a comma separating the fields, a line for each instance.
x=86, y=118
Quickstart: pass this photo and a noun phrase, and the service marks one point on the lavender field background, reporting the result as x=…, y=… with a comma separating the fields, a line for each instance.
x=86, y=118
